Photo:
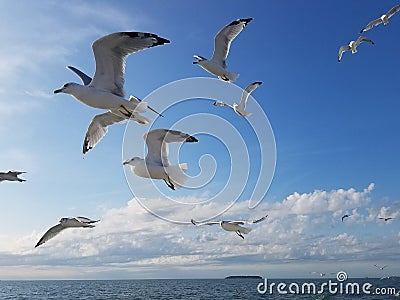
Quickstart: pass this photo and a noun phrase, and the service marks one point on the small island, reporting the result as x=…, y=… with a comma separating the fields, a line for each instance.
x=244, y=277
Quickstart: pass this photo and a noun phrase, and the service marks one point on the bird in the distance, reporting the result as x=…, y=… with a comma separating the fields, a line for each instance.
x=345, y=216
x=353, y=46
x=380, y=268
x=240, y=108
x=105, y=90
x=222, y=42
x=156, y=165
x=65, y=223
x=232, y=225
x=383, y=19
x=11, y=176
x=385, y=218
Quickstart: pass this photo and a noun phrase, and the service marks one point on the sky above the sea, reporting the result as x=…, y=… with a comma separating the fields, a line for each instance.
x=322, y=142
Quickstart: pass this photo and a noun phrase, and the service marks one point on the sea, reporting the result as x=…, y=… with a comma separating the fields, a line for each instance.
x=198, y=289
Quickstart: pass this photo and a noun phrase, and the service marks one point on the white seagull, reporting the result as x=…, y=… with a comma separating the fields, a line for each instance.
x=156, y=164
x=232, y=225
x=240, y=108
x=64, y=224
x=222, y=42
x=11, y=176
x=383, y=19
x=380, y=268
x=105, y=90
x=353, y=46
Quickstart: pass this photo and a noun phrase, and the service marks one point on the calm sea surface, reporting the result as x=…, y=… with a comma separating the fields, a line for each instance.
x=176, y=289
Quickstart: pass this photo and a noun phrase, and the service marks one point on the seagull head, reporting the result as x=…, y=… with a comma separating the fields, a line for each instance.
x=133, y=161
x=67, y=88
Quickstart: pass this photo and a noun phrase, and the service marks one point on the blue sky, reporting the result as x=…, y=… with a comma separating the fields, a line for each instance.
x=335, y=127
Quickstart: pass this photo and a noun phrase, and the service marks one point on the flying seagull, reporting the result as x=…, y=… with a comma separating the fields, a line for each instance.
x=385, y=218
x=64, y=224
x=222, y=43
x=11, y=176
x=105, y=90
x=345, y=216
x=380, y=268
x=156, y=165
x=232, y=225
x=86, y=79
x=240, y=108
x=319, y=273
x=353, y=46
x=383, y=19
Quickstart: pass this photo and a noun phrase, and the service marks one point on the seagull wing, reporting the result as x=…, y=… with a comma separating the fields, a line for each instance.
x=110, y=53
x=392, y=11
x=52, y=232
x=371, y=24
x=224, y=38
x=242, y=222
x=341, y=50
x=363, y=39
x=85, y=78
x=98, y=128
x=86, y=220
x=16, y=172
x=157, y=144
x=203, y=223
x=250, y=88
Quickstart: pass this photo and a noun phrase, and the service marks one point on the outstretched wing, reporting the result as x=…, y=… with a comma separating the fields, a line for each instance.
x=371, y=24
x=157, y=144
x=224, y=38
x=98, y=128
x=203, y=223
x=363, y=39
x=250, y=88
x=52, y=232
x=341, y=50
x=86, y=220
x=392, y=11
x=110, y=53
x=242, y=222
x=85, y=78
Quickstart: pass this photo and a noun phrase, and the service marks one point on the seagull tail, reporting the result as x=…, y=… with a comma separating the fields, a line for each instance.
x=232, y=76
x=141, y=107
x=140, y=119
x=177, y=174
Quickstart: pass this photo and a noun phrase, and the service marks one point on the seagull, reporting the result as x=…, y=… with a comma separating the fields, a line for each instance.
x=240, y=108
x=319, y=273
x=222, y=42
x=383, y=19
x=64, y=224
x=345, y=216
x=11, y=176
x=384, y=277
x=232, y=225
x=105, y=90
x=380, y=268
x=156, y=164
x=385, y=219
x=353, y=46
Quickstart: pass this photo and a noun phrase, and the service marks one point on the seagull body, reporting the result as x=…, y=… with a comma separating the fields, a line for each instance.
x=156, y=165
x=64, y=224
x=353, y=46
x=222, y=42
x=232, y=225
x=105, y=90
x=11, y=176
x=345, y=216
x=240, y=108
x=383, y=19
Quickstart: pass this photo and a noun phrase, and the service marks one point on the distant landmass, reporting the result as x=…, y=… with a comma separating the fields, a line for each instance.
x=243, y=277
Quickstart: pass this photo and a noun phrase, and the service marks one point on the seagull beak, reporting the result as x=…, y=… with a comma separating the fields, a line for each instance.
x=58, y=91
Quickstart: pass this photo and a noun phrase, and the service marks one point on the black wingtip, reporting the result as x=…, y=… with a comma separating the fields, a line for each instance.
x=191, y=139
x=245, y=21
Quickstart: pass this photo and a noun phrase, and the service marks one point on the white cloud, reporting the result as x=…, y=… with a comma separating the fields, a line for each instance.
x=130, y=238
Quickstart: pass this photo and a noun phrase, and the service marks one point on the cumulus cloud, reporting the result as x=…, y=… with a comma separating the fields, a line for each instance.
x=131, y=238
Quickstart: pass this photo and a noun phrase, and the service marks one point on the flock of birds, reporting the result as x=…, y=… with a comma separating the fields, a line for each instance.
x=354, y=44
x=106, y=91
